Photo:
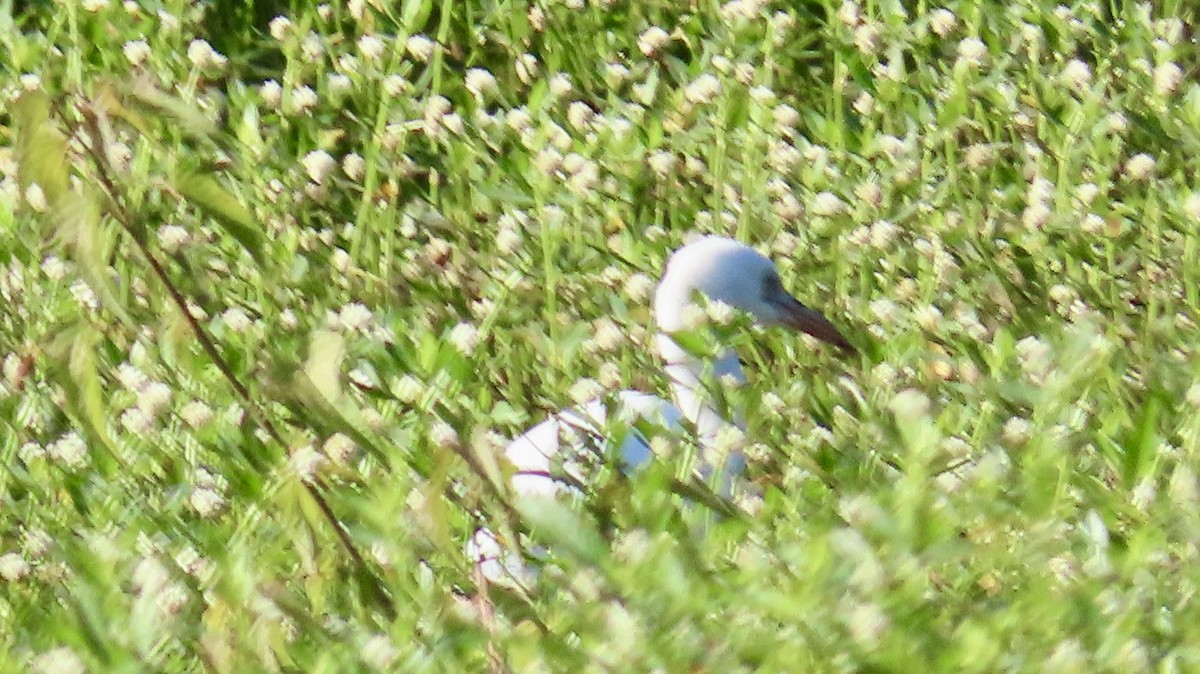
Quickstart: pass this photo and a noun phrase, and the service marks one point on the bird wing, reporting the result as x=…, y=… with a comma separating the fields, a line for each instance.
x=559, y=453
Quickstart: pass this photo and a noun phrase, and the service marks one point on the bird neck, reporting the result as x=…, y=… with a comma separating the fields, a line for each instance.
x=695, y=381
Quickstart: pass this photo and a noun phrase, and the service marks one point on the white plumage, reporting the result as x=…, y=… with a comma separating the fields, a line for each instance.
x=554, y=456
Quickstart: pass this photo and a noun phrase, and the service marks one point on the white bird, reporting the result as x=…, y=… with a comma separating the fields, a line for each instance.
x=549, y=457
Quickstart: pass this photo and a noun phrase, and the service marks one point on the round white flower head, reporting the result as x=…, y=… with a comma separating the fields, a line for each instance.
x=1077, y=75
x=136, y=51
x=202, y=55
x=942, y=21
x=1140, y=167
x=279, y=27
x=1167, y=77
x=652, y=39
x=420, y=47
x=35, y=198
x=703, y=89
x=972, y=51
x=480, y=82
x=318, y=164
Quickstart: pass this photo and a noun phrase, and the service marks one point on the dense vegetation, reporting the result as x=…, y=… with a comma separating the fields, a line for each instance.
x=280, y=279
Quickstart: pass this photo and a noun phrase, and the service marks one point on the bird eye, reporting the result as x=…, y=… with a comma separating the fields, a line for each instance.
x=771, y=284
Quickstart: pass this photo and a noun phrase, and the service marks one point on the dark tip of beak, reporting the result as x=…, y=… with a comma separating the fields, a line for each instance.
x=812, y=322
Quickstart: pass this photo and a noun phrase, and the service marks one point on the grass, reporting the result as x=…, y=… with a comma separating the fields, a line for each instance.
x=401, y=252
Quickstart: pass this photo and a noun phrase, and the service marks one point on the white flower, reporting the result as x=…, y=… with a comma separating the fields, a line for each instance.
x=866, y=38
x=480, y=82
x=69, y=450
x=173, y=237
x=340, y=448
x=370, y=47
x=464, y=337
x=13, y=567
x=977, y=156
x=827, y=204
x=206, y=501
x=35, y=197
x=303, y=99
x=1017, y=431
x=972, y=51
x=526, y=66
x=339, y=83
x=407, y=389
x=864, y=104
x=279, y=27
x=84, y=294
x=271, y=93
x=638, y=287
x=883, y=233
x=305, y=462
x=1116, y=122
x=928, y=317
x=236, y=319
x=1142, y=496
x=652, y=39
x=353, y=166
x=942, y=21
x=1036, y=215
x=848, y=13
x=762, y=94
x=662, y=162
x=1191, y=206
x=1167, y=77
x=394, y=85
x=720, y=313
x=694, y=317
x=53, y=268
x=786, y=117
x=609, y=335
x=909, y=404
x=703, y=89
x=379, y=653
x=1087, y=193
x=867, y=624
x=1140, y=167
x=136, y=51
x=154, y=397
x=341, y=260
x=443, y=435
x=355, y=316
x=585, y=389
x=615, y=74
x=1077, y=75
x=137, y=421
x=509, y=240
x=580, y=115
x=560, y=84
x=63, y=660
x=312, y=46
x=420, y=47
x=196, y=414
x=318, y=164
x=202, y=55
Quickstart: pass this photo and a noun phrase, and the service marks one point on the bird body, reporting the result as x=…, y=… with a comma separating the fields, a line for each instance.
x=552, y=457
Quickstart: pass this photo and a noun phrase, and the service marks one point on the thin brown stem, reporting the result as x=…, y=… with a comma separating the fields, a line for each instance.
x=210, y=348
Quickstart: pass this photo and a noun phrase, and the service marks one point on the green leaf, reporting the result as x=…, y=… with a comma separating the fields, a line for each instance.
x=41, y=148
x=326, y=351
x=187, y=117
x=78, y=226
x=204, y=191
x=565, y=529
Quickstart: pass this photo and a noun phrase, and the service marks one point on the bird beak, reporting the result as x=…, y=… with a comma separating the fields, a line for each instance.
x=799, y=317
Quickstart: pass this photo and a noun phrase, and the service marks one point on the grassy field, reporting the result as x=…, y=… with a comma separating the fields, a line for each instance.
x=279, y=281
